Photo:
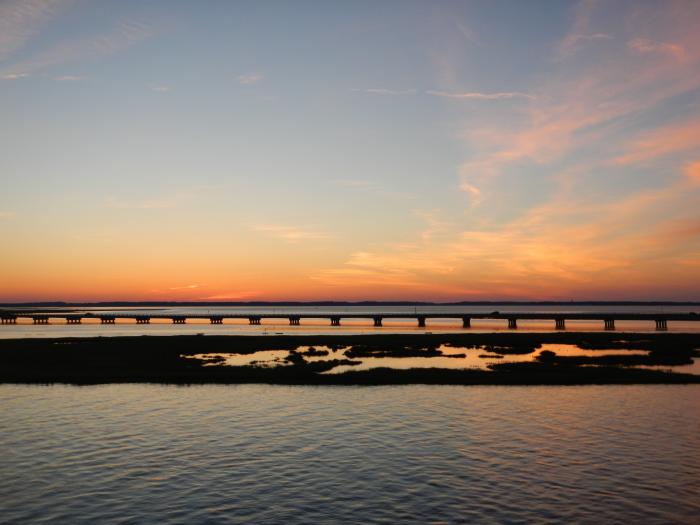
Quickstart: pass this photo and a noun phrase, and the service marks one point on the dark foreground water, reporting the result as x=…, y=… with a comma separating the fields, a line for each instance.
x=409, y=454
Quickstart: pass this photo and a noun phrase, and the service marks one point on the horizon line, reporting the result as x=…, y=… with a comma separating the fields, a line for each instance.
x=342, y=303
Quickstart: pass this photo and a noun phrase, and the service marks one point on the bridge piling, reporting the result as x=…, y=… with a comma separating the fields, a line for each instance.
x=559, y=319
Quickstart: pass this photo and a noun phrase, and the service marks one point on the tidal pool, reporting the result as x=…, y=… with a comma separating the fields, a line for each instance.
x=456, y=358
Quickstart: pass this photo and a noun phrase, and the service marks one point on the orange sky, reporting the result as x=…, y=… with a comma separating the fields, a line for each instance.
x=441, y=152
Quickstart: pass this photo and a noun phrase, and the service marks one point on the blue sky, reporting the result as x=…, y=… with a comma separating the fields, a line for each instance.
x=278, y=150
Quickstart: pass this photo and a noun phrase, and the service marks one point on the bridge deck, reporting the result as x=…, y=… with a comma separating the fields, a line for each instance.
x=553, y=316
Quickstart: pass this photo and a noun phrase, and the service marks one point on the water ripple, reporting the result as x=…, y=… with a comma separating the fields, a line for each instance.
x=407, y=454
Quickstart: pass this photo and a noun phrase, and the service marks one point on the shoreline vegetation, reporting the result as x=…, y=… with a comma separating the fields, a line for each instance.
x=177, y=359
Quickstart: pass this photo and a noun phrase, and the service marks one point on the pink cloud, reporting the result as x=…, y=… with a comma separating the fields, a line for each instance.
x=661, y=142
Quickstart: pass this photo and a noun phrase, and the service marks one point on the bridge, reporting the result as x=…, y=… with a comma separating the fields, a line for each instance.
x=559, y=319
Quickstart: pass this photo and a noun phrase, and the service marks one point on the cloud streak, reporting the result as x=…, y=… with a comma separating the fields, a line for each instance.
x=388, y=92
x=186, y=287
x=248, y=79
x=123, y=35
x=475, y=95
x=22, y=19
x=646, y=46
x=291, y=234
x=14, y=76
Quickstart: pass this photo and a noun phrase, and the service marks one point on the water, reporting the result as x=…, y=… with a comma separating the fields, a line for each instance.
x=473, y=358
x=412, y=454
x=93, y=328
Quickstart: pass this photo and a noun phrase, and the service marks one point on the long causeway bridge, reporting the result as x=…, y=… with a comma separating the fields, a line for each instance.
x=559, y=319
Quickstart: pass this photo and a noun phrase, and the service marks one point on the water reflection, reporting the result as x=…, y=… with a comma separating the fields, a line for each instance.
x=456, y=358
x=127, y=453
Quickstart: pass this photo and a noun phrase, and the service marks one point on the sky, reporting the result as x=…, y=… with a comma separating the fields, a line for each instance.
x=361, y=150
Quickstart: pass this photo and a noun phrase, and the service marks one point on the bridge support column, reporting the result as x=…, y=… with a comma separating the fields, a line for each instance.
x=294, y=321
x=73, y=320
x=107, y=320
x=377, y=321
x=41, y=319
x=254, y=320
x=466, y=322
x=421, y=321
x=143, y=320
x=179, y=320
x=335, y=321
x=610, y=324
x=8, y=320
x=512, y=323
x=661, y=325
x=216, y=320
x=560, y=324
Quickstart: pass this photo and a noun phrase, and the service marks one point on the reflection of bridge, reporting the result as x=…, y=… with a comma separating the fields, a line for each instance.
x=608, y=318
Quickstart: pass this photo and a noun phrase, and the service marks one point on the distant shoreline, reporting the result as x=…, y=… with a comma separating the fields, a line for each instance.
x=168, y=359
x=67, y=304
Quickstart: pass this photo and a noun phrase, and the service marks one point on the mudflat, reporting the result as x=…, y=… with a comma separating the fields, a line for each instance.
x=627, y=358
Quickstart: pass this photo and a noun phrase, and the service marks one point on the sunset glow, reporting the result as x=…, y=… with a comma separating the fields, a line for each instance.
x=441, y=151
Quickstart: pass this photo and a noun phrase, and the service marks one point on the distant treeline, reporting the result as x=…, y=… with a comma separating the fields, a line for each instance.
x=351, y=303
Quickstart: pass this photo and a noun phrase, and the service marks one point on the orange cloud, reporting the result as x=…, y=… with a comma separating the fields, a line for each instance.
x=661, y=142
x=692, y=171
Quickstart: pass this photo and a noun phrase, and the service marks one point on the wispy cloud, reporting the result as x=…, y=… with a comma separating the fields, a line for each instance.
x=660, y=142
x=123, y=35
x=556, y=249
x=692, y=171
x=581, y=238
x=68, y=78
x=248, y=79
x=470, y=189
x=291, y=234
x=186, y=287
x=388, y=92
x=475, y=95
x=581, y=32
x=574, y=41
x=14, y=76
x=646, y=46
x=160, y=89
x=21, y=19
x=435, y=226
x=582, y=105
